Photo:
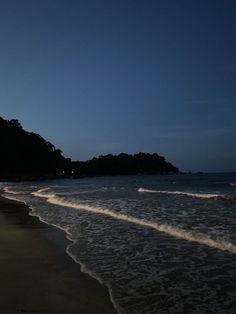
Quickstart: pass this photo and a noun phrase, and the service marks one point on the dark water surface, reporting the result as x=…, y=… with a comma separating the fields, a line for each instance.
x=162, y=244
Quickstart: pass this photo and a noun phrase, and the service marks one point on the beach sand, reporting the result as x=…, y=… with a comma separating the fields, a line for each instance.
x=36, y=275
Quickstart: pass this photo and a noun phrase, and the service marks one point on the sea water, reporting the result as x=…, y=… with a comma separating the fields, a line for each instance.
x=161, y=244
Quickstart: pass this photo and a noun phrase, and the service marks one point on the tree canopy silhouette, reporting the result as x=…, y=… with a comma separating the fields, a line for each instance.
x=124, y=164
x=28, y=154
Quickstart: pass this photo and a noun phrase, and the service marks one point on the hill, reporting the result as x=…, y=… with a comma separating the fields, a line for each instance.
x=124, y=164
x=27, y=154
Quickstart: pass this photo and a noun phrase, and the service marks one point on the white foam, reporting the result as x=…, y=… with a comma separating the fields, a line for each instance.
x=198, y=195
x=84, y=269
x=175, y=232
x=41, y=193
x=9, y=191
x=13, y=198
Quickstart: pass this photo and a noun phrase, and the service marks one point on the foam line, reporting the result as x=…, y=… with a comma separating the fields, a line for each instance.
x=175, y=232
x=7, y=190
x=84, y=269
x=198, y=195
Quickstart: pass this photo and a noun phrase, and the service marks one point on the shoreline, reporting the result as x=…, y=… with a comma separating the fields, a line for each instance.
x=68, y=242
x=37, y=274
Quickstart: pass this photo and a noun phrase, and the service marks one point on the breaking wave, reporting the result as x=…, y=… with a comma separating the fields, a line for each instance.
x=9, y=191
x=197, y=195
x=170, y=230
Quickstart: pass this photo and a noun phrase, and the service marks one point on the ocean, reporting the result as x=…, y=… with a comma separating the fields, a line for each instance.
x=160, y=243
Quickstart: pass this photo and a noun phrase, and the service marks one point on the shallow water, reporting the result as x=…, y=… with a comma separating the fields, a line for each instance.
x=162, y=244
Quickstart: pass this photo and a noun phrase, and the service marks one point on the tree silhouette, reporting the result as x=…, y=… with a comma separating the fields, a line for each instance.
x=124, y=164
x=27, y=153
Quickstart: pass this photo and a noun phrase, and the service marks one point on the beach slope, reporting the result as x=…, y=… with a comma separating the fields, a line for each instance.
x=37, y=276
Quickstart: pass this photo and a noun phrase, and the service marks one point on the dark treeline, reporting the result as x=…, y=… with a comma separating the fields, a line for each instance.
x=124, y=164
x=26, y=154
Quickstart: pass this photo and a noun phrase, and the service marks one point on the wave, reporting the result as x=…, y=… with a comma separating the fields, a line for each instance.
x=221, y=184
x=84, y=269
x=197, y=195
x=41, y=193
x=9, y=191
x=170, y=230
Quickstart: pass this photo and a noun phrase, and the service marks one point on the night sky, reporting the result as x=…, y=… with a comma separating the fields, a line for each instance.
x=98, y=77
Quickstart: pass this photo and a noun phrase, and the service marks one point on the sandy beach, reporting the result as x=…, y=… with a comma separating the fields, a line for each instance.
x=37, y=276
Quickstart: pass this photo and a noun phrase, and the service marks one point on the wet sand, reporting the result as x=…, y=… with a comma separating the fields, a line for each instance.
x=37, y=276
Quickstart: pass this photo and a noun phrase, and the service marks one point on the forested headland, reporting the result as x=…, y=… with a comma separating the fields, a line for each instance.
x=27, y=155
x=124, y=164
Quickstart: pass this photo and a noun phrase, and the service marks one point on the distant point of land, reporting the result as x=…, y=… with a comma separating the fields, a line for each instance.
x=124, y=164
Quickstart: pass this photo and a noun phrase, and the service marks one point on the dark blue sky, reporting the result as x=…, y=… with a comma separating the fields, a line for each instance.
x=97, y=77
